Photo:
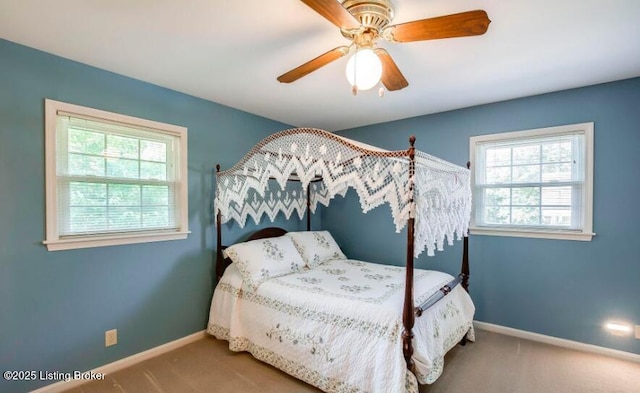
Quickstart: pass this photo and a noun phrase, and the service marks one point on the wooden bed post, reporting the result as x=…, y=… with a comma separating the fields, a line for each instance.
x=219, y=258
x=408, y=316
x=309, y=207
x=464, y=270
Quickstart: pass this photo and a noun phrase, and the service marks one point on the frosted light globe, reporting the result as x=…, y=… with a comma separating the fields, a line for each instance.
x=364, y=69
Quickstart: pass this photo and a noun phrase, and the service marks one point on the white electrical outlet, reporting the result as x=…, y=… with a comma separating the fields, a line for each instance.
x=638, y=332
x=110, y=337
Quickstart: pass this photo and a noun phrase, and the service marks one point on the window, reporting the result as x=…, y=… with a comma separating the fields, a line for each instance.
x=112, y=179
x=535, y=183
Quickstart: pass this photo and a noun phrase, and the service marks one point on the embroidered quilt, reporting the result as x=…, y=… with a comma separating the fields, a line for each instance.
x=338, y=326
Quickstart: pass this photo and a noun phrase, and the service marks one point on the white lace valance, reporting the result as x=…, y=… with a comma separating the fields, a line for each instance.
x=326, y=165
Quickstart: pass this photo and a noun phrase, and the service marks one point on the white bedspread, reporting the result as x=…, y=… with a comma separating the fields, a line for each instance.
x=339, y=326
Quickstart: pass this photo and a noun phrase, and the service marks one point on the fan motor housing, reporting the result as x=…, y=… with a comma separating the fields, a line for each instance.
x=372, y=14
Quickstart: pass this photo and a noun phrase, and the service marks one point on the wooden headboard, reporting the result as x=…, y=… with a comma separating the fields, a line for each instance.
x=266, y=233
x=222, y=263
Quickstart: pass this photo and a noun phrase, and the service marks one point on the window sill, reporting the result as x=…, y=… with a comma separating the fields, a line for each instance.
x=539, y=234
x=101, y=241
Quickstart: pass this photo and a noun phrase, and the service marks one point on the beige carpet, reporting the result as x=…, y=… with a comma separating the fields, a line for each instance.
x=496, y=363
x=493, y=364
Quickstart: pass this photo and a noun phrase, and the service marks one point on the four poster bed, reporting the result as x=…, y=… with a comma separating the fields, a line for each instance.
x=294, y=300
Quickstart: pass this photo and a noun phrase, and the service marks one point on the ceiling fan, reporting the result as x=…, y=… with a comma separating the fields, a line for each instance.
x=364, y=22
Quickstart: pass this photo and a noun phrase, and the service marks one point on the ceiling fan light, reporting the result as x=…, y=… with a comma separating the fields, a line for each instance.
x=364, y=69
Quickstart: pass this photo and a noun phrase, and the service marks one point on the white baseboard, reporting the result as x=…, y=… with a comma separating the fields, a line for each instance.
x=124, y=363
x=559, y=342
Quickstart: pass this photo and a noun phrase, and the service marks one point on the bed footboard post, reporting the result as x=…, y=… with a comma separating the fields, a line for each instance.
x=309, y=207
x=219, y=258
x=464, y=269
x=408, y=316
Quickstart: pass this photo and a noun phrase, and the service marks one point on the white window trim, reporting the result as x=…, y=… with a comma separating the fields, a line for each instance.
x=587, y=232
x=53, y=241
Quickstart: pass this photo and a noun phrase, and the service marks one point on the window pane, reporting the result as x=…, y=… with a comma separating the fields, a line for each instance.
x=82, y=165
x=87, y=142
x=123, y=147
x=498, y=156
x=525, y=216
x=556, y=172
x=526, y=174
x=526, y=154
x=124, y=217
x=497, y=196
x=555, y=196
x=556, y=152
x=87, y=194
x=497, y=215
x=498, y=175
x=124, y=195
x=155, y=217
x=155, y=195
x=126, y=169
x=153, y=151
x=526, y=196
x=556, y=216
x=153, y=170
x=87, y=219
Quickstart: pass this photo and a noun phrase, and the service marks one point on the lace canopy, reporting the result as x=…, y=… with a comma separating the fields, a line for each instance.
x=324, y=165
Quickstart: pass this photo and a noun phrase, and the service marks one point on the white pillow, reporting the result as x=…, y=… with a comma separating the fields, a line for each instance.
x=262, y=259
x=316, y=247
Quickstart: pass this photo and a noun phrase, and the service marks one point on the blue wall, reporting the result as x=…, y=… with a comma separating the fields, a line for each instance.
x=559, y=288
x=56, y=306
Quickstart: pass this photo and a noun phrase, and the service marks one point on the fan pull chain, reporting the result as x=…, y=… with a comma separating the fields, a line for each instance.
x=354, y=88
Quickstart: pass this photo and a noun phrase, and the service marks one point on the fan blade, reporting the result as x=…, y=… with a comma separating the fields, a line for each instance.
x=334, y=12
x=449, y=26
x=392, y=78
x=312, y=65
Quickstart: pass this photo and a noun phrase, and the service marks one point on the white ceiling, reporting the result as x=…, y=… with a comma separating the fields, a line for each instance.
x=231, y=51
